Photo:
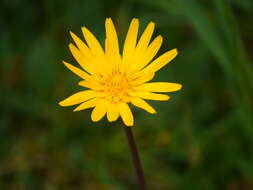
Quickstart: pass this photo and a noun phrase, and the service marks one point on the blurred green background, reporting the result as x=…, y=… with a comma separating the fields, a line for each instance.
x=201, y=139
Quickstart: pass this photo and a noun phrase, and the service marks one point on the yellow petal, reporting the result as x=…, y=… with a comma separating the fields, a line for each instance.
x=149, y=53
x=138, y=102
x=111, y=46
x=112, y=113
x=152, y=96
x=88, y=104
x=92, y=42
x=143, y=78
x=131, y=38
x=141, y=49
x=84, y=55
x=85, y=63
x=80, y=44
x=126, y=114
x=159, y=87
x=97, y=54
x=111, y=36
x=160, y=61
x=146, y=36
x=78, y=98
x=92, y=84
x=110, y=61
x=91, y=63
x=77, y=71
x=100, y=110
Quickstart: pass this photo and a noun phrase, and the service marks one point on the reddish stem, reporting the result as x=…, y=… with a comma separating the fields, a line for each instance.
x=135, y=157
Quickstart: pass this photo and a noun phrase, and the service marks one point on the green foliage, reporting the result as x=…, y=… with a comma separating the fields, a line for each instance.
x=201, y=139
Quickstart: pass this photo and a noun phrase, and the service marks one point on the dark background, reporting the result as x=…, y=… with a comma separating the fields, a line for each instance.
x=201, y=139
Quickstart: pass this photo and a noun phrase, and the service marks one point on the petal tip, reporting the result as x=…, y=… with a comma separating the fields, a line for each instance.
x=71, y=33
x=80, y=83
x=177, y=87
x=61, y=103
x=76, y=109
x=71, y=46
x=180, y=86
x=175, y=51
x=152, y=23
x=65, y=63
x=84, y=29
x=94, y=119
x=153, y=112
x=109, y=119
x=108, y=19
x=129, y=124
x=166, y=98
x=160, y=37
x=135, y=20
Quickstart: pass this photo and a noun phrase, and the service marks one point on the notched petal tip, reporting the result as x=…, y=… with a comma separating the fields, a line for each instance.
x=135, y=20
x=108, y=19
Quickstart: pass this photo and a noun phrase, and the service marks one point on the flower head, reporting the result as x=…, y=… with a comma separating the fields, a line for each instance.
x=114, y=80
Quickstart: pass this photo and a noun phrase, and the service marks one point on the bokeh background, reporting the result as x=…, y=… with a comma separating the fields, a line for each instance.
x=201, y=139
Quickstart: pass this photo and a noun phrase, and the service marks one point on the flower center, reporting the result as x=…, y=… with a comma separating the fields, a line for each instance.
x=116, y=87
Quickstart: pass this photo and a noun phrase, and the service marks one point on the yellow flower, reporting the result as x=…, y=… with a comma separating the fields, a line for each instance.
x=114, y=80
